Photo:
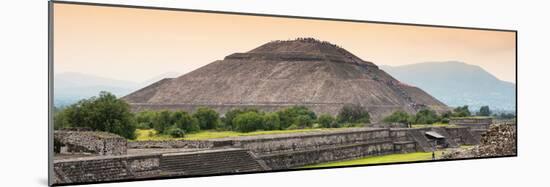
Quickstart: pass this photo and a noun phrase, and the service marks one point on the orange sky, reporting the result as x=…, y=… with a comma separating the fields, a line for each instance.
x=138, y=44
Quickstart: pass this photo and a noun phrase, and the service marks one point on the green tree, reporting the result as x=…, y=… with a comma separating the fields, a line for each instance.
x=446, y=116
x=327, y=121
x=103, y=113
x=303, y=121
x=145, y=119
x=397, y=117
x=484, y=111
x=175, y=132
x=231, y=114
x=163, y=121
x=271, y=121
x=60, y=120
x=208, y=118
x=353, y=113
x=461, y=111
x=505, y=115
x=248, y=122
x=426, y=116
x=288, y=115
x=185, y=121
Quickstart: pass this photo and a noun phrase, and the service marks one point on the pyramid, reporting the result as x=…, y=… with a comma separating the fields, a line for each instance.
x=305, y=72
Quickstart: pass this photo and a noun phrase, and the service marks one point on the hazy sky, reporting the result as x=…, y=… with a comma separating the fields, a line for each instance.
x=138, y=44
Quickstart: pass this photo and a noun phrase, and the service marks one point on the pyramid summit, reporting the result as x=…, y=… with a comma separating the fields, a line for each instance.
x=307, y=72
x=308, y=48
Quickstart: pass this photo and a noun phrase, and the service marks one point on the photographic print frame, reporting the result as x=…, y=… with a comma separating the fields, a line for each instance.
x=306, y=40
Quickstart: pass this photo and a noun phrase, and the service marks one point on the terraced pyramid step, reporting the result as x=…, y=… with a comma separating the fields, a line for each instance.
x=92, y=170
x=209, y=162
x=422, y=143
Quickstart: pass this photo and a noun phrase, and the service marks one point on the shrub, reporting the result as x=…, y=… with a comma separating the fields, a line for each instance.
x=507, y=115
x=484, y=111
x=248, y=122
x=231, y=114
x=353, y=113
x=176, y=132
x=292, y=127
x=143, y=125
x=162, y=121
x=271, y=121
x=208, y=118
x=60, y=120
x=103, y=113
x=426, y=116
x=397, y=117
x=145, y=119
x=288, y=116
x=462, y=111
x=303, y=121
x=185, y=121
x=351, y=125
x=327, y=121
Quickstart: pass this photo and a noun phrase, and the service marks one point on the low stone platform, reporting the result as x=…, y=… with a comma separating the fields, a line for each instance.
x=251, y=153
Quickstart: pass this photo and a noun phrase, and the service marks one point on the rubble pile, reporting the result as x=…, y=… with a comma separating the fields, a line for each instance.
x=499, y=140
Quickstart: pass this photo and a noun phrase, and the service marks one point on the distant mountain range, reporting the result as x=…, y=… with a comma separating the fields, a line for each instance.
x=71, y=87
x=457, y=83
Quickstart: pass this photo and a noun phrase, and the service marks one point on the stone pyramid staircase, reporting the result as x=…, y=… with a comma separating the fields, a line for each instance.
x=92, y=170
x=210, y=162
x=422, y=143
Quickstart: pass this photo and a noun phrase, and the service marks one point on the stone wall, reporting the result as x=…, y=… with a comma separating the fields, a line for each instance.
x=308, y=157
x=178, y=144
x=92, y=142
x=472, y=122
x=462, y=135
x=307, y=141
x=280, y=151
x=404, y=147
x=108, y=168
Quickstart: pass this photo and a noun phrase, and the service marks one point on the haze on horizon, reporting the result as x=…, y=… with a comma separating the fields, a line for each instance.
x=137, y=44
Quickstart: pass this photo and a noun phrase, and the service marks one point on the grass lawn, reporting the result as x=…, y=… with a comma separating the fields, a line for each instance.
x=151, y=134
x=432, y=125
x=406, y=157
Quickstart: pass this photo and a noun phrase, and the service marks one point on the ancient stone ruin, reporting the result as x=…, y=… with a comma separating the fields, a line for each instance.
x=476, y=123
x=85, y=141
x=499, y=140
x=254, y=153
x=279, y=74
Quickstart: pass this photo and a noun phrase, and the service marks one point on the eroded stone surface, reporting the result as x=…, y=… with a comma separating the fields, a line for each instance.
x=89, y=142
